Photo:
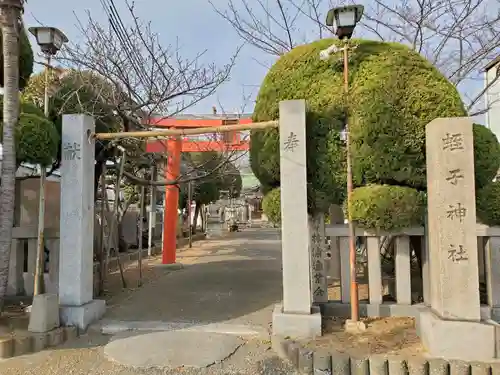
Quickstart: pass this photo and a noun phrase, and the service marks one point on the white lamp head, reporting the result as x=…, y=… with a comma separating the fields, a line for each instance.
x=50, y=39
x=344, y=19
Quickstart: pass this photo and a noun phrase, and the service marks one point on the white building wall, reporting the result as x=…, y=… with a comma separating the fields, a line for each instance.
x=493, y=100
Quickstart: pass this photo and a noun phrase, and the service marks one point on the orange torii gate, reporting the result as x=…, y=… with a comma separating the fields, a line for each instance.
x=231, y=141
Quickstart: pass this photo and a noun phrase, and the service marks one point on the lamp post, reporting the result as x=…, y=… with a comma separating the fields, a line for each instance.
x=343, y=20
x=50, y=41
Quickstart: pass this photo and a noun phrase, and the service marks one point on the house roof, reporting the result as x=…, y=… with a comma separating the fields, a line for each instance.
x=492, y=64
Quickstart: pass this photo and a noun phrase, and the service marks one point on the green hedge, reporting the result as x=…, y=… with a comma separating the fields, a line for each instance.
x=271, y=205
x=388, y=208
x=394, y=93
x=486, y=155
x=488, y=204
x=37, y=139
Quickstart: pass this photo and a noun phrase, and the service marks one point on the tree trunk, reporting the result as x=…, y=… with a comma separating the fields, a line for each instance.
x=10, y=45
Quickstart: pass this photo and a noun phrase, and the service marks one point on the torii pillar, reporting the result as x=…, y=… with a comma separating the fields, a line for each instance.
x=170, y=218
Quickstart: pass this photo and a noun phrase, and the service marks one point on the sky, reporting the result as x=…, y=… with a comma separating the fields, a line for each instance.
x=194, y=22
x=198, y=27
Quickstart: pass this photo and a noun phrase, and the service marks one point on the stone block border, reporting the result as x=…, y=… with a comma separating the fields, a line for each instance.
x=319, y=362
x=26, y=342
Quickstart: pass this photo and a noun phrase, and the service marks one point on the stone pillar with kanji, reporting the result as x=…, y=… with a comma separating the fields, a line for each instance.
x=296, y=316
x=451, y=327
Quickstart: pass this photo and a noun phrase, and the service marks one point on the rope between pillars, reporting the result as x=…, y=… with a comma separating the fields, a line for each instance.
x=176, y=132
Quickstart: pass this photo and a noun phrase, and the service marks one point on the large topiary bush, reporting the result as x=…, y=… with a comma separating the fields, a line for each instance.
x=271, y=205
x=394, y=93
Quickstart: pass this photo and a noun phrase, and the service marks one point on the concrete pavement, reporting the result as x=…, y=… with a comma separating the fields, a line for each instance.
x=212, y=317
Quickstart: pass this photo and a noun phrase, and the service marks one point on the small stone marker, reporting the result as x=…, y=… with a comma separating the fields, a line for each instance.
x=294, y=219
x=452, y=219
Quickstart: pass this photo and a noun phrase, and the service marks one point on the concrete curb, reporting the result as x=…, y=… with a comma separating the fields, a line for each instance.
x=25, y=343
x=321, y=362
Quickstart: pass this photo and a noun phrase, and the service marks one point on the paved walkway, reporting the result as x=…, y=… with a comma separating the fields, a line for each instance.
x=218, y=307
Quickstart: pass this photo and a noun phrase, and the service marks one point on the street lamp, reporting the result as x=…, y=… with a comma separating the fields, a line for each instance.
x=50, y=40
x=344, y=20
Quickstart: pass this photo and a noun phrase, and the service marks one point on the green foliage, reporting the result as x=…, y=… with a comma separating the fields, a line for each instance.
x=488, y=204
x=230, y=179
x=27, y=107
x=397, y=92
x=221, y=175
x=387, y=208
x=131, y=193
x=206, y=189
x=37, y=139
x=25, y=60
x=34, y=91
x=394, y=93
x=271, y=205
x=486, y=155
x=74, y=91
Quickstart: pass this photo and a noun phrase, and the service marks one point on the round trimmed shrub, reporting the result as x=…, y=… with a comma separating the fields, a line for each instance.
x=37, y=140
x=394, y=93
x=387, y=208
x=486, y=155
x=488, y=204
x=271, y=205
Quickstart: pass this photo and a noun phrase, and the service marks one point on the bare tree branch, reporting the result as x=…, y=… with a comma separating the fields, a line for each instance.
x=458, y=36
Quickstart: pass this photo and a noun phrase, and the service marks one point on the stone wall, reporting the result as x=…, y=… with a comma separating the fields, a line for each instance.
x=309, y=362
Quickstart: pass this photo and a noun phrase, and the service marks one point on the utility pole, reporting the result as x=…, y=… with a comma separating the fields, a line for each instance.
x=10, y=14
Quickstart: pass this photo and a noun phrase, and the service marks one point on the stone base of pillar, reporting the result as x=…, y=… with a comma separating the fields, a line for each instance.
x=495, y=313
x=170, y=266
x=453, y=339
x=44, y=315
x=296, y=325
x=84, y=315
